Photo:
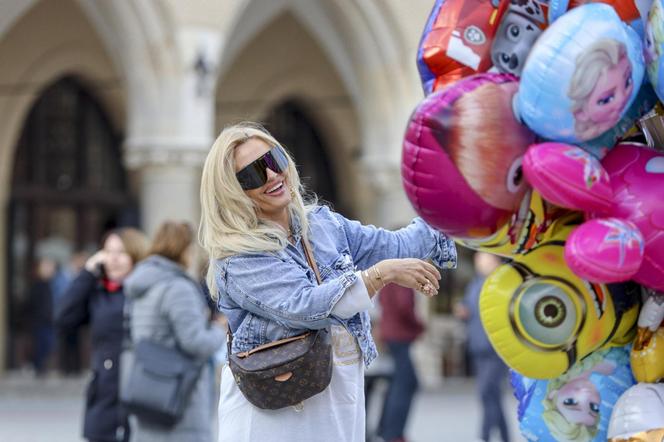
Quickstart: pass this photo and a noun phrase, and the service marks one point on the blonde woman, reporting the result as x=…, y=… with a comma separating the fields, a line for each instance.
x=600, y=88
x=254, y=222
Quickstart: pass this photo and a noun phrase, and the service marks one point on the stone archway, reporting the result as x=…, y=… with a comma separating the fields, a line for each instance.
x=360, y=43
x=37, y=53
x=291, y=124
x=296, y=70
x=68, y=187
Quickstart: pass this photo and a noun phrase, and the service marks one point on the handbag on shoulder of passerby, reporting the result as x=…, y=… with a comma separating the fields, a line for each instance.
x=156, y=380
x=288, y=371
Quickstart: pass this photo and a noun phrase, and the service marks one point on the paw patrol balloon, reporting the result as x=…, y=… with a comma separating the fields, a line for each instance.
x=520, y=25
x=581, y=76
x=456, y=41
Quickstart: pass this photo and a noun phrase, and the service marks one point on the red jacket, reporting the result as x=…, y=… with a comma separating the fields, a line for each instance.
x=398, y=320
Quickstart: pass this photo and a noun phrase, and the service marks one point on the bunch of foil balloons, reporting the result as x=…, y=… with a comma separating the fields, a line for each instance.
x=541, y=140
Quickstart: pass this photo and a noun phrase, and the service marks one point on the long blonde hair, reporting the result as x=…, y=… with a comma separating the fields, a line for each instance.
x=229, y=218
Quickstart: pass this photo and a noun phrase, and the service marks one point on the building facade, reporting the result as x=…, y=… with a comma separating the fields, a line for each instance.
x=110, y=106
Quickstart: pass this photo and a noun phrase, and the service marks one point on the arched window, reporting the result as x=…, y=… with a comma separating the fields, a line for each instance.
x=291, y=126
x=68, y=187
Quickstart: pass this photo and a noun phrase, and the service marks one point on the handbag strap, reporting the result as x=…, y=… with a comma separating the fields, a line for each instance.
x=312, y=263
x=310, y=258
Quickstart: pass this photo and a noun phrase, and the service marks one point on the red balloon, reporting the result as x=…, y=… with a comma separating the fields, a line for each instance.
x=457, y=40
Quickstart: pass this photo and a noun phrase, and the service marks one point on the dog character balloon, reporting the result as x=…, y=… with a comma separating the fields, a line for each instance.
x=456, y=41
x=581, y=76
x=541, y=318
x=520, y=25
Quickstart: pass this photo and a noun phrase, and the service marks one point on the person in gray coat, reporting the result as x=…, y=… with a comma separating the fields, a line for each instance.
x=167, y=306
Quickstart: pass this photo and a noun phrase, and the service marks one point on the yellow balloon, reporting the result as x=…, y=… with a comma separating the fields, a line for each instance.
x=541, y=318
x=648, y=364
x=530, y=225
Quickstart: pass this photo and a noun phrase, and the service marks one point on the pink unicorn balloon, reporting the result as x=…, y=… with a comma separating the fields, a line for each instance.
x=623, y=198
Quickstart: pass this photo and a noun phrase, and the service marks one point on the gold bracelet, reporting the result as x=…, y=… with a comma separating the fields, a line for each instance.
x=369, y=282
x=379, y=277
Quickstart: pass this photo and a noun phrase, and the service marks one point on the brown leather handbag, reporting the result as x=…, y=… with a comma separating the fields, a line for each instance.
x=285, y=372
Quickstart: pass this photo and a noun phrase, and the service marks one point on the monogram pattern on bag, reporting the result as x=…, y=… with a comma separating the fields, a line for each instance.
x=309, y=359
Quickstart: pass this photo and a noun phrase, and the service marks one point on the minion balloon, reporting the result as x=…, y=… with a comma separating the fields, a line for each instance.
x=541, y=318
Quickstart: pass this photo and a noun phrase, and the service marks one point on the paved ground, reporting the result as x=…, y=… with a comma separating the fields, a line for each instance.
x=49, y=410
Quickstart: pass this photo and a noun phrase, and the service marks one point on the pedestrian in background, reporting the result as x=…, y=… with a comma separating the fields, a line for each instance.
x=400, y=327
x=169, y=307
x=69, y=352
x=259, y=232
x=489, y=369
x=96, y=298
x=40, y=301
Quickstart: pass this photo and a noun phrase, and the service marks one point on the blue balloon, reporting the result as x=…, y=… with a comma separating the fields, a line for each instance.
x=581, y=76
x=654, y=47
x=642, y=104
x=577, y=405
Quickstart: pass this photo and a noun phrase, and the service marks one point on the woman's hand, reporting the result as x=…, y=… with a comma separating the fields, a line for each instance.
x=412, y=273
x=92, y=264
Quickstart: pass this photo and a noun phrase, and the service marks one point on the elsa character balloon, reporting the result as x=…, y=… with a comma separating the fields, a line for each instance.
x=577, y=405
x=600, y=88
x=581, y=76
x=572, y=403
x=653, y=46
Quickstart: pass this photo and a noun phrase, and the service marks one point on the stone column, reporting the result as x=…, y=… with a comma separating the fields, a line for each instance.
x=169, y=181
x=171, y=128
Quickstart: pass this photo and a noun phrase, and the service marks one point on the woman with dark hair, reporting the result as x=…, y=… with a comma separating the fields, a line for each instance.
x=96, y=297
x=167, y=307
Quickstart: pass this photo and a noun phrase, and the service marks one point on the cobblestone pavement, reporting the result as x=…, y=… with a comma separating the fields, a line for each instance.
x=50, y=410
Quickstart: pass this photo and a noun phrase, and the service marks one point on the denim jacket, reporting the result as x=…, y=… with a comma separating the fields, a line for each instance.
x=271, y=296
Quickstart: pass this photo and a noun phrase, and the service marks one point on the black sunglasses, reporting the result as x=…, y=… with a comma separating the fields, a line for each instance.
x=255, y=174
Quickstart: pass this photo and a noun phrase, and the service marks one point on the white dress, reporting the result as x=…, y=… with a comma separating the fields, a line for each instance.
x=335, y=415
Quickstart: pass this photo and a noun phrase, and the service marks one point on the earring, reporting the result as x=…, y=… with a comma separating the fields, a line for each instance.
x=292, y=193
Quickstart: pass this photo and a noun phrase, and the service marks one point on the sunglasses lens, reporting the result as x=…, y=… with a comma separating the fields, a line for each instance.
x=255, y=175
x=280, y=159
x=251, y=177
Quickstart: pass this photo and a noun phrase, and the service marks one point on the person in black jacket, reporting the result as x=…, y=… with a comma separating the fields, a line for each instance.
x=40, y=302
x=96, y=298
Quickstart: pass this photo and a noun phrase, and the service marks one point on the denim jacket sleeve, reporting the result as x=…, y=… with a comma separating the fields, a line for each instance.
x=370, y=244
x=271, y=287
